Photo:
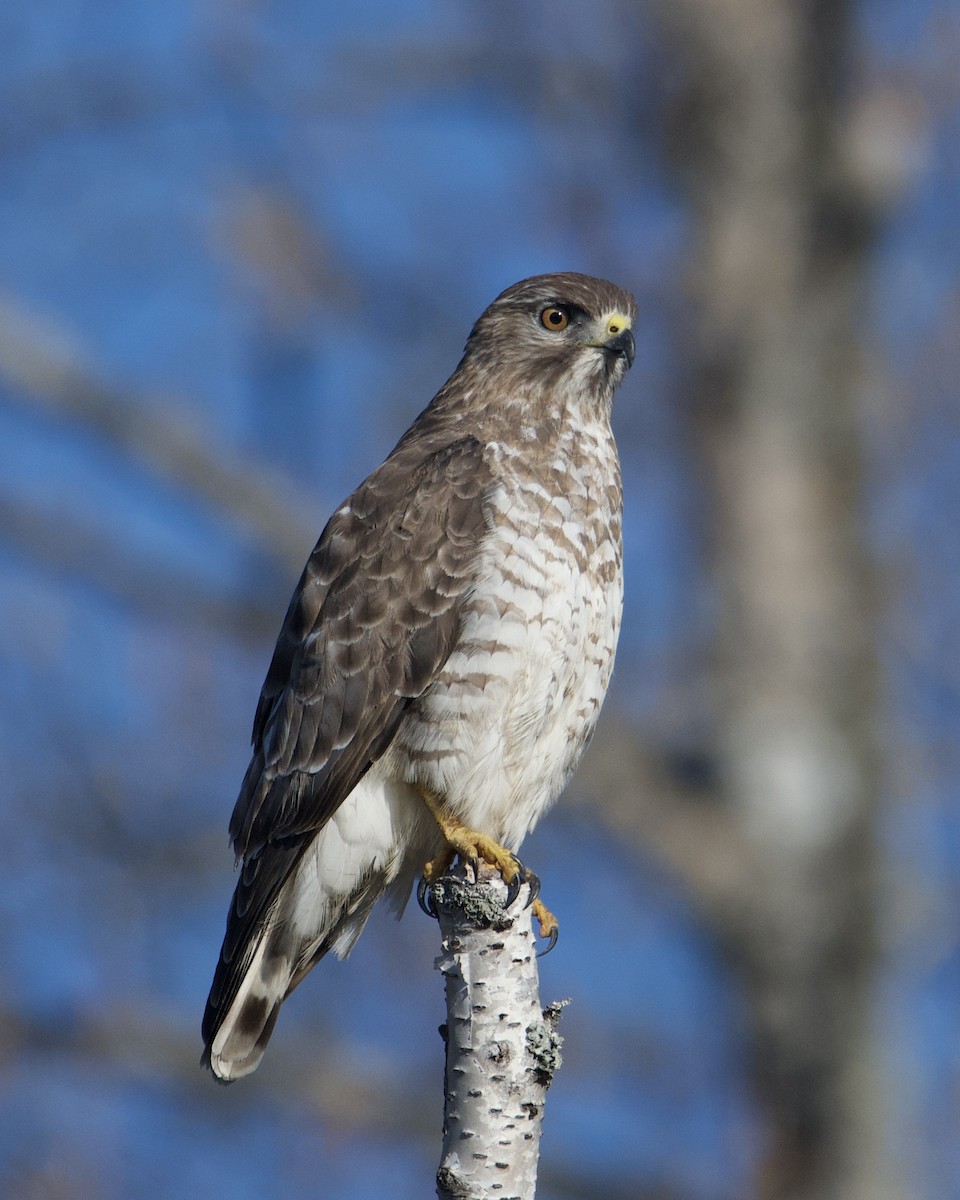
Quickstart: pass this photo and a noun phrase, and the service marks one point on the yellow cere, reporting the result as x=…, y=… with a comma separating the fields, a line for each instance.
x=617, y=323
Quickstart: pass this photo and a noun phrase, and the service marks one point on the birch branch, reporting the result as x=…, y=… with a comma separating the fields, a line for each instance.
x=502, y=1048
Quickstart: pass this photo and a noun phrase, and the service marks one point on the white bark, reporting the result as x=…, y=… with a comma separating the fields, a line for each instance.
x=502, y=1048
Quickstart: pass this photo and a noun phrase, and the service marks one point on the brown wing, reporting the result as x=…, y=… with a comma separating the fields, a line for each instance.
x=372, y=621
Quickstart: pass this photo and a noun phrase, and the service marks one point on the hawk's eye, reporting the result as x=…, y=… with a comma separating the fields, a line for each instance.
x=554, y=317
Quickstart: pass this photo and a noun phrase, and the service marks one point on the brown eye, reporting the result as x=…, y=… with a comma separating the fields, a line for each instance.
x=554, y=318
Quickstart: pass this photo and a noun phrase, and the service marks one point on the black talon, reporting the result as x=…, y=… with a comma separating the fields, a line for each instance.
x=425, y=898
x=523, y=876
x=513, y=888
x=550, y=945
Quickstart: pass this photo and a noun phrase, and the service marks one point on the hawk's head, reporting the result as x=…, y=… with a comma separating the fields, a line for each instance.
x=556, y=331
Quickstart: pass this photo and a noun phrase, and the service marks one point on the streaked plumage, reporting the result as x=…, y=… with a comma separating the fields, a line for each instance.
x=453, y=631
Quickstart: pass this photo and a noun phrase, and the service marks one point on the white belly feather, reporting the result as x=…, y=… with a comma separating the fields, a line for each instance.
x=499, y=732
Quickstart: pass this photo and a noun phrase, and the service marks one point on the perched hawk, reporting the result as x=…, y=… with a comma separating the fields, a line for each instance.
x=445, y=654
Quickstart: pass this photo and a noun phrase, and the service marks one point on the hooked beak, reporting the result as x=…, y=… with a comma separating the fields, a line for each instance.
x=623, y=344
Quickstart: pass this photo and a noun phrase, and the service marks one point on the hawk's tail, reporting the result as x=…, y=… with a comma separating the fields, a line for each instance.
x=266, y=952
x=234, y=1044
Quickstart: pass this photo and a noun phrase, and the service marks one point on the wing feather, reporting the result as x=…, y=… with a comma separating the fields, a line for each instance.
x=373, y=619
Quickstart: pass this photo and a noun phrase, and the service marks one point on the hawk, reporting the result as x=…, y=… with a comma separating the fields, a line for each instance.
x=443, y=660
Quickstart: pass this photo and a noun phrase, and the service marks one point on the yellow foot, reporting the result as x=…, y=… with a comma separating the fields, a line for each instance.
x=549, y=928
x=439, y=865
x=468, y=844
x=473, y=846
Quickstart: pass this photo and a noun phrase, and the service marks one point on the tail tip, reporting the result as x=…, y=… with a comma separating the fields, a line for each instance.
x=236, y=1047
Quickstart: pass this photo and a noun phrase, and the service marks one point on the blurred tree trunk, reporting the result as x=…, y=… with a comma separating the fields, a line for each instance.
x=781, y=236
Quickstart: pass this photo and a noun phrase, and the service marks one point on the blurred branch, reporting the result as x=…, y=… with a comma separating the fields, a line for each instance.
x=145, y=1043
x=142, y=1043
x=62, y=543
x=629, y=785
x=47, y=375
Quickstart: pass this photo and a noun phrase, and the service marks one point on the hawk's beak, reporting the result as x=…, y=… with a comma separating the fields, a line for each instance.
x=616, y=337
x=624, y=344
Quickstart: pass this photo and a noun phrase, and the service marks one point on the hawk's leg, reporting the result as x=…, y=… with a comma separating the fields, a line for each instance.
x=473, y=846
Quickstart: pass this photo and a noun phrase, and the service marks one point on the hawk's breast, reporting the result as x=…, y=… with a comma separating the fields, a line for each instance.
x=499, y=732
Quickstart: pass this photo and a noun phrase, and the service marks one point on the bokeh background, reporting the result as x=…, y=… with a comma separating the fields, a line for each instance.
x=241, y=244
